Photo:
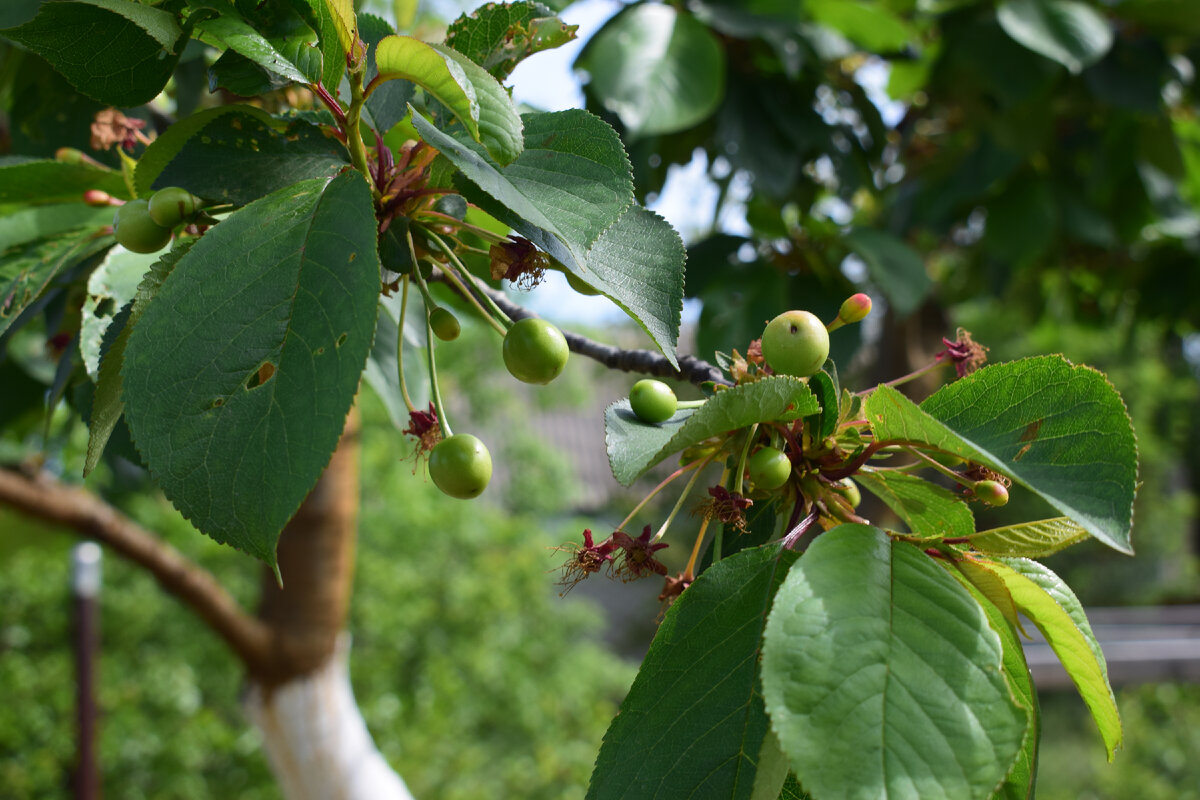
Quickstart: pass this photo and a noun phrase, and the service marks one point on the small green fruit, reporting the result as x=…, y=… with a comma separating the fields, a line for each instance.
x=535, y=351
x=445, y=325
x=795, y=343
x=460, y=466
x=848, y=489
x=991, y=492
x=769, y=468
x=172, y=205
x=136, y=231
x=653, y=401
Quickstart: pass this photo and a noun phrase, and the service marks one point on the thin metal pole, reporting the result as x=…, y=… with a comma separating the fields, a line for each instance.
x=85, y=591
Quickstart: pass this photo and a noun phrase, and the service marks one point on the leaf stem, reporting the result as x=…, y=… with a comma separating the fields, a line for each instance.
x=400, y=345
x=679, y=503
x=351, y=125
x=497, y=314
x=655, y=491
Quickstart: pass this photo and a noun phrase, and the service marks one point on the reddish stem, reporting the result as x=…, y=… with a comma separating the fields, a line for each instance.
x=330, y=102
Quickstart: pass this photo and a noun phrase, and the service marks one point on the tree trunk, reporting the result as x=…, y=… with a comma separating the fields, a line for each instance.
x=315, y=738
x=300, y=698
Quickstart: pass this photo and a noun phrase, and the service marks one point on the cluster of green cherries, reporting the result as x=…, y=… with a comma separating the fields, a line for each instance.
x=535, y=351
x=145, y=225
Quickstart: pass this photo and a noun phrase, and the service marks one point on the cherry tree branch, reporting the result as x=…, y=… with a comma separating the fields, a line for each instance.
x=45, y=498
x=648, y=362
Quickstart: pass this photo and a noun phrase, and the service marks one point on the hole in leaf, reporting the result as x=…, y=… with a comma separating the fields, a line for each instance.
x=353, y=255
x=105, y=308
x=320, y=351
x=218, y=402
x=260, y=376
x=341, y=340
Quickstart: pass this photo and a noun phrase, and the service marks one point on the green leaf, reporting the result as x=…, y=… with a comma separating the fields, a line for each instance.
x=1052, y=606
x=1029, y=539
x=107, y=402
x=228, y=29
x=635, y=446
x=112, y=284
x=883, y=676
x=571, y=193
x=772, y=770
x=894, y=266
x=637, y=263
x=498, y=36
x=572, y=182
x=37, y=182
x=500, y=126
x=693, y=722
x=332, y=35
x=1019, y=783
x=29, y=223
x=1057, y=429
x=824, y=387
x=26, y=270
x=466, y=89
x=870, y=25
x=238, y=156
x=930, y=511
x=1072, y=33
x=388, y=103
x=239, y=374
x=658, y=69
x=119, y=52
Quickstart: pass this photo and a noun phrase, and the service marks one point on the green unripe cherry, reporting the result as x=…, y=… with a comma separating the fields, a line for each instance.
x=795, y=343
x=460, y=466
x=769, y=468
x=848, y=489
x=535, y=351
x=653, y=401
x=445, y=325
x=172, y=205
x=991, y=492
x=136, y=231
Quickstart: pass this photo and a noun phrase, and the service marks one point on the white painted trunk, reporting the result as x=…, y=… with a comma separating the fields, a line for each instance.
x=316, y=740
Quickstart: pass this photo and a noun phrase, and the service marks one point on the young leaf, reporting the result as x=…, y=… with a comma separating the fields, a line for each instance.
x=659, y=69
x=1029, y=539
x=930, y=511
x=119, y=52
x=498, y=36
x=239, y=375
x=1072, y=33
x=1058, y=429
x=693, y=722
x=107, y=403
x=1051, y=605
x=634, y=446
x=333, y=33
x=388, y=102
x=238, y=154
x=26, y=270
x=882, y=673
x=465, y=88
